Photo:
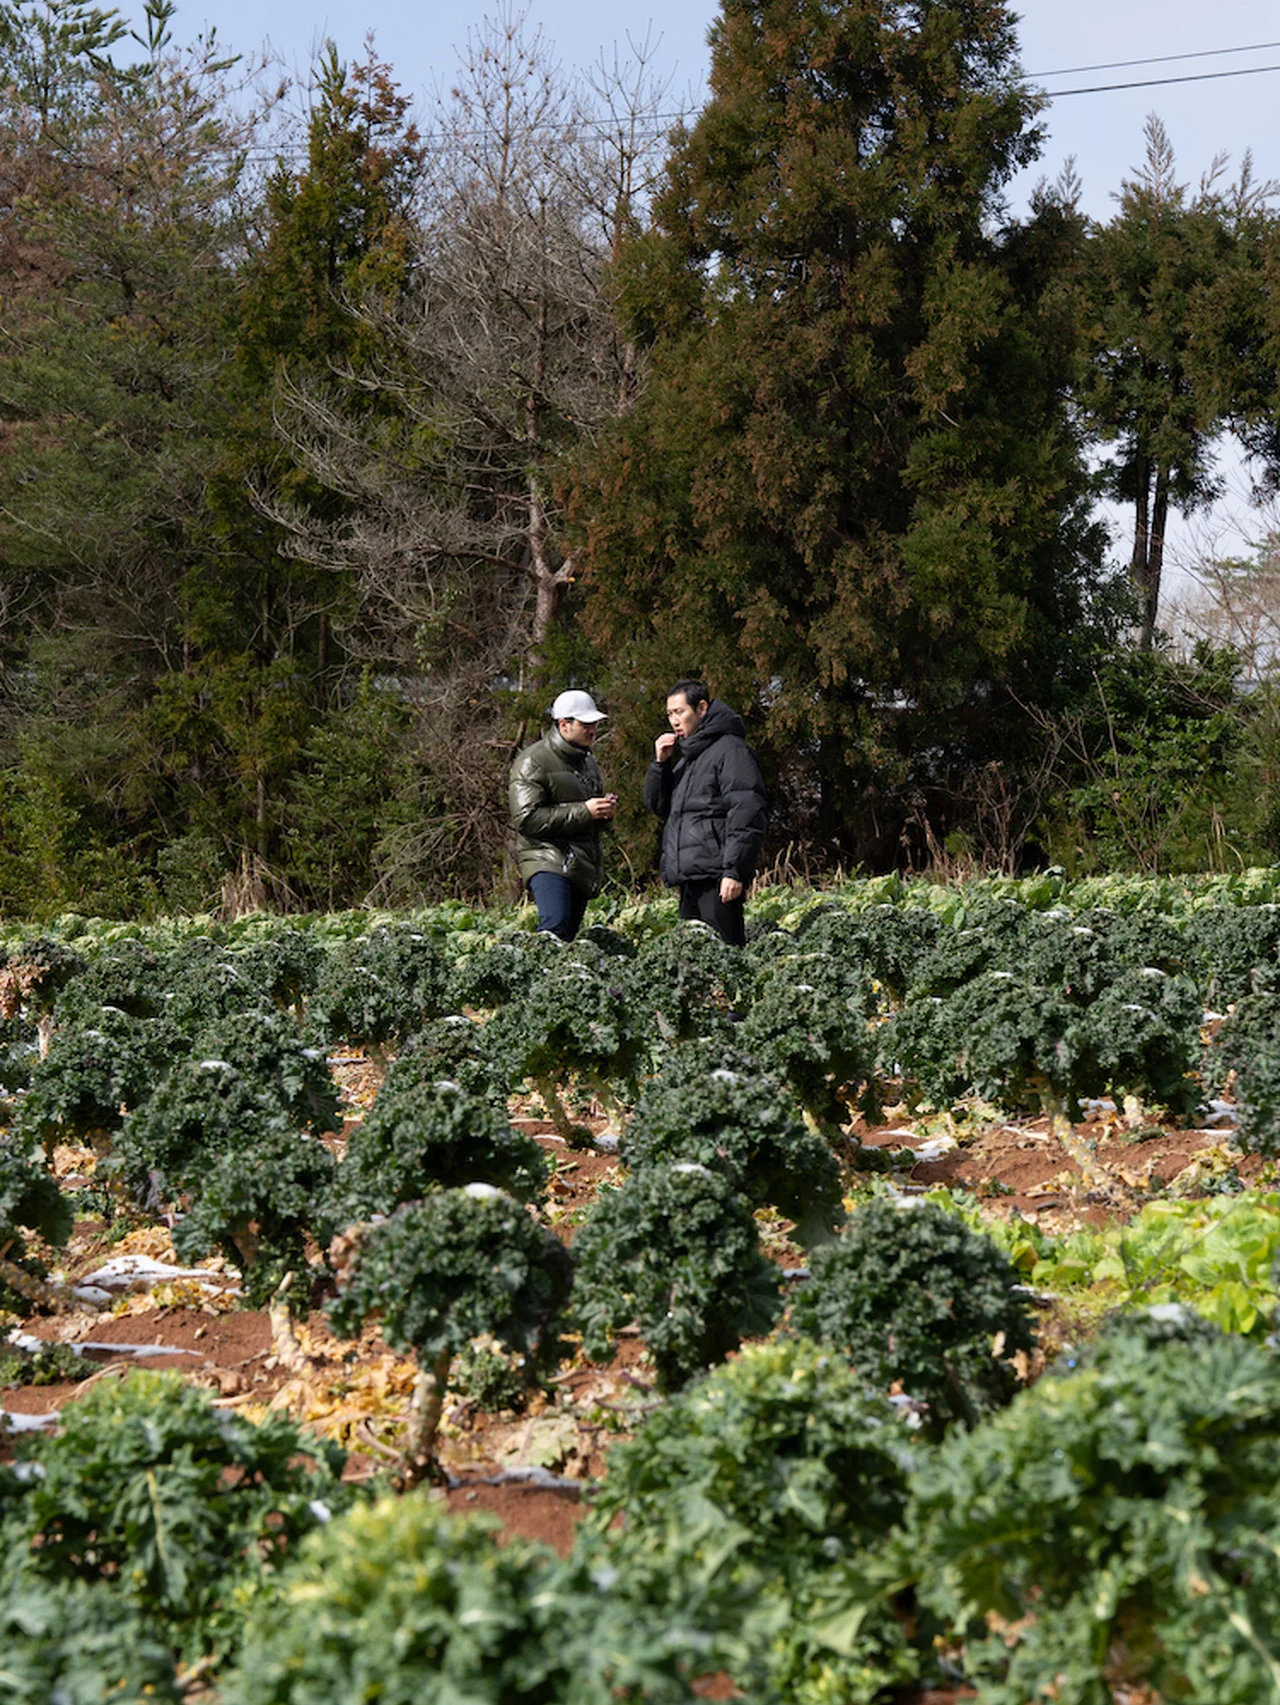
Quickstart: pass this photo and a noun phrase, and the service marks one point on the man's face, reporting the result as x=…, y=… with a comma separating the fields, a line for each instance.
x=578, y=733
x=685, y=717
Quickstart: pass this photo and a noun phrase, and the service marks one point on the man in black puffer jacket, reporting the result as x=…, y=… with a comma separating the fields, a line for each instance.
x=705, y=785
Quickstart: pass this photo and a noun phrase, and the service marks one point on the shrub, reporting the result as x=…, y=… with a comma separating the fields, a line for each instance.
x=676, y=1250
x=910, y=1294
x=716, y=1107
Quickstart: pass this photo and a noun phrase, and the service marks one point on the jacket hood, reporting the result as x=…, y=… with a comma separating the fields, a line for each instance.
x=718, y=721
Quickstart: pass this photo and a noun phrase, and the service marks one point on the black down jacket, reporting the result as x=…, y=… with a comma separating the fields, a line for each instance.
x=711, y=801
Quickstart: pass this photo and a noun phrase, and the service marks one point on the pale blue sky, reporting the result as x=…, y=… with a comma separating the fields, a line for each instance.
x=1103, y=131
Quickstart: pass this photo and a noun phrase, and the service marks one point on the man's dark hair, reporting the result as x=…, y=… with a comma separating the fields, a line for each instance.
x=694, y=691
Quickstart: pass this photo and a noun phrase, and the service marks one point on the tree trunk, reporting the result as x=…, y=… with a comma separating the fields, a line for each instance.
x=1155, y=558
x=1141, y=533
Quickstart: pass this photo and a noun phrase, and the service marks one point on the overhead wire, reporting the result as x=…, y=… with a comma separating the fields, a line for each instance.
x=1157, y=59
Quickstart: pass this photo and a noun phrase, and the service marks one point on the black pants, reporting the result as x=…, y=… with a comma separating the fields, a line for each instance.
x=727, y=917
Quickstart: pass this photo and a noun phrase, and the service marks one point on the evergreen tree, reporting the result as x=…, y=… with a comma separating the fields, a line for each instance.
x=850, y=489
x=1175, y=305
x=117, y=325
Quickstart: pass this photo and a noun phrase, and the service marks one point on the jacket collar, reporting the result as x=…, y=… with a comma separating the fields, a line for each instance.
x=575, y=755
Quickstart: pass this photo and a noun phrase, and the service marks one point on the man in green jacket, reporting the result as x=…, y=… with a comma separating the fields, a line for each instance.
x=558, y=803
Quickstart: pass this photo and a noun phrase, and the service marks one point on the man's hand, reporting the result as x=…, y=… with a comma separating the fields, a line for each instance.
x=664, y=747
x=730, y=889
x=602, y=807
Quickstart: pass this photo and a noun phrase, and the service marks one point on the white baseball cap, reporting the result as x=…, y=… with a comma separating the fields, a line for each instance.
x=577, y=704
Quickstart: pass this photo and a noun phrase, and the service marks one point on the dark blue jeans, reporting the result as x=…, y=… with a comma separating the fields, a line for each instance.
x=561, y=906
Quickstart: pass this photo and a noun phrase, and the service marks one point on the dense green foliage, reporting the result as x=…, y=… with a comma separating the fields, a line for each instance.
x=718, y=1108
x=918, y=1301
x=1121, y=1521
x=751, y=1500
x=776, y=1520
x=676, y=1250
x=462, y=1263
x=403, y=1603
x=150, y=1490
x=431, y=1135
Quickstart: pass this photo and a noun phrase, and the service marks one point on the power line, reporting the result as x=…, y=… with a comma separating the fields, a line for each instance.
x=1161, y=82
x=1159, y=59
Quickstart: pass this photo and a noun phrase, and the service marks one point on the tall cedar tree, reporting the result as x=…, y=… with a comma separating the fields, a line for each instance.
x=849, y=491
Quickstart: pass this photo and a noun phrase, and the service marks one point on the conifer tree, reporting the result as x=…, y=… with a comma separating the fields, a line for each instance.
x=850, y=487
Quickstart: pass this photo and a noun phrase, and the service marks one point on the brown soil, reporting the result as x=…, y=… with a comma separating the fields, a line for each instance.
x=530, y=1469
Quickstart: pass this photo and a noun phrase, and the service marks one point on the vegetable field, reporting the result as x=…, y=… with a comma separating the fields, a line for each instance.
x=413, y=1307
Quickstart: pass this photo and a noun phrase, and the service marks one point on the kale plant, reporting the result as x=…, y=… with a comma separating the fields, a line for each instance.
x=1141, y=1036
x=717, y=1107
x=442, y=1272
x=79, y=1643
x=96, y=1069
x=266, y=1048
x=205, y=1108
x=809, y=1026
x=1235, y=951
x=910, y=1294
x=179, y=1506
x=454, y=1047
x=1248, y=1046
x=32, y=974
x=377, y=990
x=407, y=1604
x=30, y=1200
x=499, y=969
x=1121, y=1523
x=687, y=983
x=424, y=1136
x=675, y=1250
x=571, y=1027
x=890, y=942
x=258, y=1203
x=756, y=1497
